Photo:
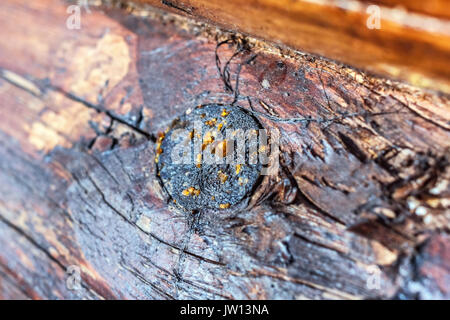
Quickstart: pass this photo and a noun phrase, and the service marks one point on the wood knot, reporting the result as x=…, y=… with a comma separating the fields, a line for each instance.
x=206, y=160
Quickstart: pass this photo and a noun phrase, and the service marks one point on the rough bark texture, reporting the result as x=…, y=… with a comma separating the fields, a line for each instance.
x=355, y=198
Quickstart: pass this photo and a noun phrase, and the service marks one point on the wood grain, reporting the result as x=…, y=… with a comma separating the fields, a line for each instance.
x=81, y=110
x=436, y=8
x=412, y=44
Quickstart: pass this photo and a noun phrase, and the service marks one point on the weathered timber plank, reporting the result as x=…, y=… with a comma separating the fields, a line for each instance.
x=80, y=113
x=411, y=44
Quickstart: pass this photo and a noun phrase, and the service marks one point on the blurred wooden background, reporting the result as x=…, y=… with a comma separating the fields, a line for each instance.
x=411, y=41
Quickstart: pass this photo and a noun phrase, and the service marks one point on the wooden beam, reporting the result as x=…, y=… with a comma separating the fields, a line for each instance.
x=362, y=195
x=412, y=43
x=436, y=8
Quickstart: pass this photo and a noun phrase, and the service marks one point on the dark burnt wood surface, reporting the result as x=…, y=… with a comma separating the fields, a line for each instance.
x=81, y=110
